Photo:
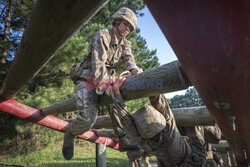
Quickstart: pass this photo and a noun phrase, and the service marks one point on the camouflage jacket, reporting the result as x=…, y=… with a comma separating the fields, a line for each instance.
x=104, y=53
x=169, y=147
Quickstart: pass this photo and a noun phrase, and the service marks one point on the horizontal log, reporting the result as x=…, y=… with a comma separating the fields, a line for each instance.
x=164, y=79
x=51, y=25
x=222, y=146
x=193, y=116
x=190, y=116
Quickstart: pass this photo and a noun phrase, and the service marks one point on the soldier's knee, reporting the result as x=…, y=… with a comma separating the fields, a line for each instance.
x=89, y=121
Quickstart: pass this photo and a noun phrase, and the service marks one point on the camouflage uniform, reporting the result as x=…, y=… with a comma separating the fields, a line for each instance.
x=105, y=51
x=170, y=148
x=204, y=135
x=212, y=134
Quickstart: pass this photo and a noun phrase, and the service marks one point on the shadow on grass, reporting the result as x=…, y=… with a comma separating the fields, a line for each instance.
x=87, y=162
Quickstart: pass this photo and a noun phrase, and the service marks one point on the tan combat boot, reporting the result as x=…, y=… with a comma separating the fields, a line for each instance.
x=68, y=145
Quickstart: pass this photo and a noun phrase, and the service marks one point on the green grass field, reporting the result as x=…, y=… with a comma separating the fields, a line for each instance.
x=51, y=156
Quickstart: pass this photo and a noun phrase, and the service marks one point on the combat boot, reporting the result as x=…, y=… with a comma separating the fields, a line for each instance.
x=125, y=145
x=68, y=145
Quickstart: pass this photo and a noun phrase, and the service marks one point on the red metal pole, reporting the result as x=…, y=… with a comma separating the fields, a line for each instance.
x=31, y=114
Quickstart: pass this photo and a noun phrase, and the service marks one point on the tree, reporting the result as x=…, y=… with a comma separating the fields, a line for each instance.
x=190, y=99
x=6, y=31
x=13, y=19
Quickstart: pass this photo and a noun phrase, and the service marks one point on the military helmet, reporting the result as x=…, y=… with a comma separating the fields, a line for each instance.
x=149, y=122
x=126, y=14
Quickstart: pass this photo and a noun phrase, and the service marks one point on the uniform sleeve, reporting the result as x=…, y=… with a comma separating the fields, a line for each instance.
x=128, y=58
x=99, y=56
x=160, y=103
x=127, y=121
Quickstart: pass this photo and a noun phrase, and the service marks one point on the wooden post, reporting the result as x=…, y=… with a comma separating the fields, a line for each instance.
x=164, y=79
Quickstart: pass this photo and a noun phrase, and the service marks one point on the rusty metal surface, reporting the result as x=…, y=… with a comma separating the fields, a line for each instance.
x=211, y=39
x=30, y=114
x=51, y=25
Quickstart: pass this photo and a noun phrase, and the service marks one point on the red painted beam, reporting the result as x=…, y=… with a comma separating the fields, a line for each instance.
x=211, y=39
x=30, y=114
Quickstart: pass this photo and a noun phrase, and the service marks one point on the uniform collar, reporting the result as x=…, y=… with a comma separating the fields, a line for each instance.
x=114, y=40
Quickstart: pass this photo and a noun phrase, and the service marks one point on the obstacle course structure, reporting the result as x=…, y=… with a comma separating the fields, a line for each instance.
x=211, y=39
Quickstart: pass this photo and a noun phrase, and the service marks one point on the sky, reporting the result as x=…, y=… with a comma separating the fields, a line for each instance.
x=152, y=33
x=155, y=38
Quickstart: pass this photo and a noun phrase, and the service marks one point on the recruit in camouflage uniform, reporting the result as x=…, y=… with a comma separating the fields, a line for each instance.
x=212, y=134
x=205, y=135
x=154, y=130
x=106, y=49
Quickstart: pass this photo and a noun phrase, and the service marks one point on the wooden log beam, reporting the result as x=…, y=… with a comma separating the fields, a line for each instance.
x=193, y=116
x=222, y=146
x=51, y=25
x=190, y=116
x=164, y=79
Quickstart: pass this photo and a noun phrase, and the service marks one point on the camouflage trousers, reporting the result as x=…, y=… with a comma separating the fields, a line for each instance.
x=86, y=101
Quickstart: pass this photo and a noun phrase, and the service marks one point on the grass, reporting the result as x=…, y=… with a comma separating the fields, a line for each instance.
x=51, y=156
x=48, y=145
